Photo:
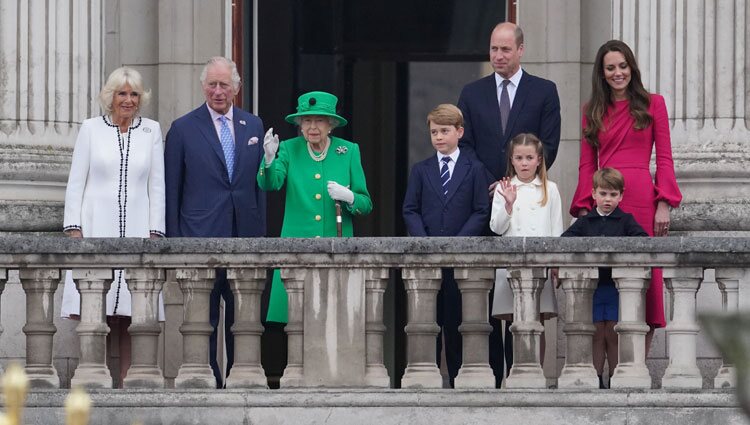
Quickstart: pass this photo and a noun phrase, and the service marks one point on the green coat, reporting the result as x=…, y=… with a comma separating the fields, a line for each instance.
x=309, y=211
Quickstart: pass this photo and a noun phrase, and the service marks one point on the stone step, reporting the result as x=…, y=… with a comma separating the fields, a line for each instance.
x=391, y=407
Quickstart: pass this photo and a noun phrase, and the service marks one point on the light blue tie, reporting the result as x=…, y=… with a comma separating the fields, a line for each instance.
x=227, y=144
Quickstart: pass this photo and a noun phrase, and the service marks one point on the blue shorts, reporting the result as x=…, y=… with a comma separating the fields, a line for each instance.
x=606, y=302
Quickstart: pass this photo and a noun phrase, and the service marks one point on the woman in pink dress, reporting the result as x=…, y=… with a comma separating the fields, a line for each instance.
x=622, y=122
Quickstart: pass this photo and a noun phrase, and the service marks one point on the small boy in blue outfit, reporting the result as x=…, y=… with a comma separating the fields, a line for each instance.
x=606, y=220
x=447, y=196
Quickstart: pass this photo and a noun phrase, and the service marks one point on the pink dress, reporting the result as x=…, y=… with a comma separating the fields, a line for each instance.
x=628, y=150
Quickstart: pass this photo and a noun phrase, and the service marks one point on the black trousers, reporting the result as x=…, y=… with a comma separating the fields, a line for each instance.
x=449, y=319
x=221, y=290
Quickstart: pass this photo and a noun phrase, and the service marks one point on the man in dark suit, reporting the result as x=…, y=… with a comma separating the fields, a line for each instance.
x=496, y=108
x=446, y=196
x=211, y=158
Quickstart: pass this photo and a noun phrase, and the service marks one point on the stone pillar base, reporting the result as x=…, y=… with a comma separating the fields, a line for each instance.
x=195, y=376
x=578, y=376
x=143, y=377
x=630, y=376
x=475, y=376
x=42, y=376
x=527, y=376
x=422, y=376
x=91, y=376
x=675, y=378
x=294, y=376
x=726, y=378
x=377, y=376
x=246, y=376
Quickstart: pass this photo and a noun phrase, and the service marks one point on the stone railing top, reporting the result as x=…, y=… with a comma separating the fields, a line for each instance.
x=33, y=251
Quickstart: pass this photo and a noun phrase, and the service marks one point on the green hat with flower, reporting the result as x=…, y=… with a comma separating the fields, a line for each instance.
x=317, y=103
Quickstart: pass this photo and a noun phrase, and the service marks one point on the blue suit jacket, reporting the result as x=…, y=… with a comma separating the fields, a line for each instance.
x=464, y=212
x=201, y=202
x=536, y=109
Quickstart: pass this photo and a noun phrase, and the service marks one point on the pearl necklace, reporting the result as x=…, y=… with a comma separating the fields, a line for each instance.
x=322, y=155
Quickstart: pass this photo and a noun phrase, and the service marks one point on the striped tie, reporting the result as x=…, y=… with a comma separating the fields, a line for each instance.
x=227, y=144
x=445, y=174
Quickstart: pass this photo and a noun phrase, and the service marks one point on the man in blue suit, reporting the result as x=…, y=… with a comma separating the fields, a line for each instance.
x=447, y=196
x=496, y=108
x=211, y=158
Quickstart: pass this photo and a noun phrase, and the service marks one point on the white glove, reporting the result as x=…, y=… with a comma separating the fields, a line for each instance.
x=270, y=146
x=340, y=193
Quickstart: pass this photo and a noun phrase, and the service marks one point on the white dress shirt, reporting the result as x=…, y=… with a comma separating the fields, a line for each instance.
x=451, y=163
x=515, y=80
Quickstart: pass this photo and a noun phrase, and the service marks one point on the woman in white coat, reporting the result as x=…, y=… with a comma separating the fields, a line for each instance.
x=116, y=189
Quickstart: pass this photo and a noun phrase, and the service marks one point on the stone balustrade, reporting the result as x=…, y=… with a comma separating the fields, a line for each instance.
x=335, y=290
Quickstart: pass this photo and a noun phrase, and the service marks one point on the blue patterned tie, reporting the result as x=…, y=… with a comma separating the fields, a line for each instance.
x=445, y=174
x=227, y=144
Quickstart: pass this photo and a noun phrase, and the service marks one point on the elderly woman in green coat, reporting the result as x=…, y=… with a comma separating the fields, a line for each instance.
x=319, y=170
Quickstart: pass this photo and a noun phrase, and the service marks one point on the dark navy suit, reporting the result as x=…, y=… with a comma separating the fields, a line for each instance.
x=202, y=202
x=535, y=109
x=463, y=212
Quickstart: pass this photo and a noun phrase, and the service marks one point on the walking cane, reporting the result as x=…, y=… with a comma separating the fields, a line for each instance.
x=338, y=219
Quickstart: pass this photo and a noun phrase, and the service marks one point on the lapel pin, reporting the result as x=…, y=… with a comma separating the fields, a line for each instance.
x=146, y=130
x=242, y=122
x=252, y=141
x=341, y=150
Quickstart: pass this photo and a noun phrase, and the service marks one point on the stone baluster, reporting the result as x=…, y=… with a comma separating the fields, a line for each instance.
x=144, y=286
x=682, y=330
x=475, y=285
x=92, y=370
x=579, y=285
x=527, y=286
x=39, y=286
x=247, y=286
x=376, y=281
x=294, y=373
x=631, y=370
x=3, y=279
x=196, y=286
x=728, y=280
x=422, y=286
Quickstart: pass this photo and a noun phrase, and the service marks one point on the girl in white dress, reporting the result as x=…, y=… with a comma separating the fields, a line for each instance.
x=525, y=204
x=116, y=189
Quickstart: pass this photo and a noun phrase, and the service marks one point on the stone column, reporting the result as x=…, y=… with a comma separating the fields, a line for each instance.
x=579, y=285
x=39, y=285
x=682, y=330
x=631, y=371
x=51, y=63
x=728, y=280
x=422, y=286
x=3, y=279
x=475, y=286
x=247, y=286
x=527, y=286
x=144, y=286
x=376, y=281
x=196, y=286
x=694, y=53
x=294, y=373
x=92, y=370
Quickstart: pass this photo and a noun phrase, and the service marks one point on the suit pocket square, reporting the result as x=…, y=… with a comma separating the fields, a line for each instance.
x=253, y=141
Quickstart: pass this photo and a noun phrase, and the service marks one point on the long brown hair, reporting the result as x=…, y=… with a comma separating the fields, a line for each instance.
x=528, y=139
x=601, y=93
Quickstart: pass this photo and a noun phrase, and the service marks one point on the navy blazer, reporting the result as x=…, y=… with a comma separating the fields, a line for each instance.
x=618, y=223
x=536, y=109
x=201, y=202
x=464, y=211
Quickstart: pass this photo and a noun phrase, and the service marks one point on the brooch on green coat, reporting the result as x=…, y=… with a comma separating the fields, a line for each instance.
x=341, y=150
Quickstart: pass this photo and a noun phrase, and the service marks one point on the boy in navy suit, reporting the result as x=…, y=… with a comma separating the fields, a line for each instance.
x=447, y=196
x=606, y=220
